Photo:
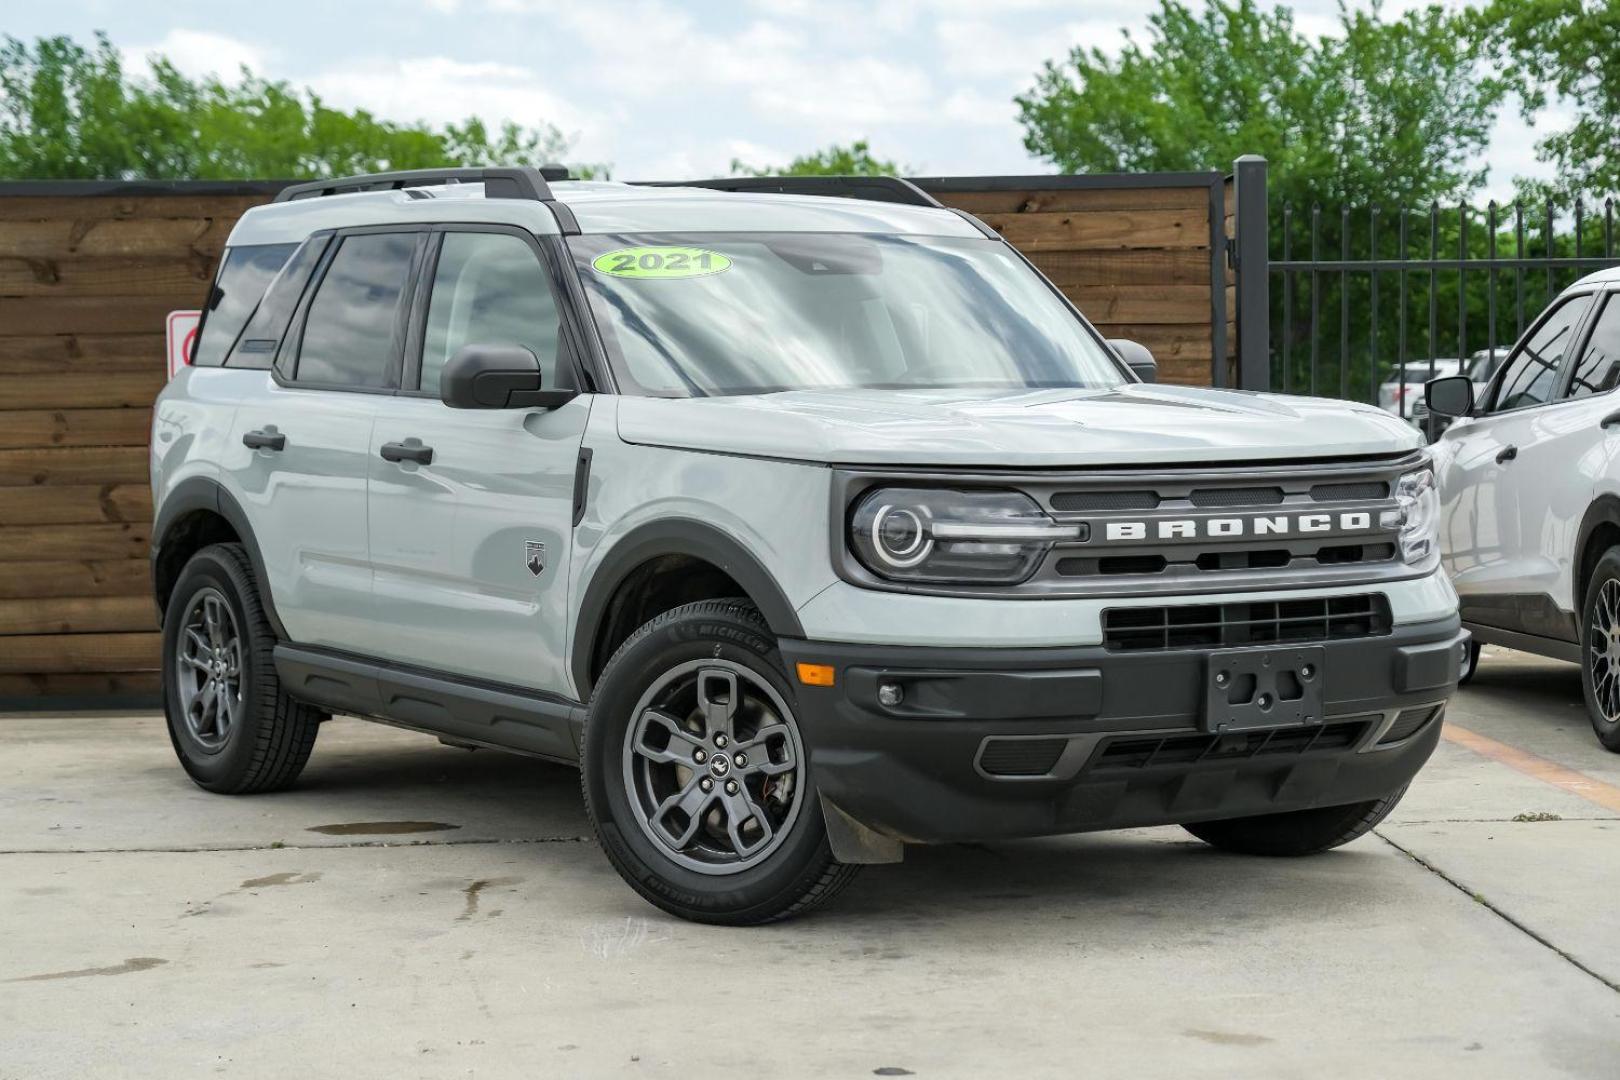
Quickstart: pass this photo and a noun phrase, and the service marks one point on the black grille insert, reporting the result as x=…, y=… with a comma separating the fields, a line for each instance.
x=1239, y=496
x=1021, y=757
x=1140, y=752
x=1366, y=489
x=1105, y=500
x=1408, y=723
x=1257, y=622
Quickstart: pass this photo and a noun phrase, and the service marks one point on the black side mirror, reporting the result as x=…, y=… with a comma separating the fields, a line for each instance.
x=1452, y=395
x=496, y=377
x=1137, y=358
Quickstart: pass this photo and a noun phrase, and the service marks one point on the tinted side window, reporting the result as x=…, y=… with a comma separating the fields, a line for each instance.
x=489, y=289
x=242, y=278
x=256, y=345
x=1531, y=375
x=1599, y=369
x=349, y=335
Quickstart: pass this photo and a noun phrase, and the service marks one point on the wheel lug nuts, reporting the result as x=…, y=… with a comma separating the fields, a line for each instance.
x=699, y=756
x=720, y=740
x=742, y=760
x=706, y=784
x=731, y=787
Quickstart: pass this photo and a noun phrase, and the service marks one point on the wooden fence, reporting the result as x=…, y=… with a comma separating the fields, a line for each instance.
x=89, y=270
x=1143, y=256
x=87, y=274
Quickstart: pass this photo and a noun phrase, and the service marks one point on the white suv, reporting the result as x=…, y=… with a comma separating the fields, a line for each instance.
x=808, y=526
x=1530, y=483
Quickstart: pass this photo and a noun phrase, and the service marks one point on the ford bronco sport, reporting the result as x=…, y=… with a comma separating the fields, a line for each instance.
x=808, y=526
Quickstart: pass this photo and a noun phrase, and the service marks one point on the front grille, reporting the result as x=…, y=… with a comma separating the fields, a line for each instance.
x=1255, y=622
x=1408, y=723
x=1140, y=752
x=1179, y=530
x=1021, y=757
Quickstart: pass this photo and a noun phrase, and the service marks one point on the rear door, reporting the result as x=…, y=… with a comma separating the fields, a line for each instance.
x=470, y=548
x=301, y=441
x=1510, y=480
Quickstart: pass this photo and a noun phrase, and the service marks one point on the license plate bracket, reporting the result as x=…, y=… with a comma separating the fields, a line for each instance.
x=1269, y=687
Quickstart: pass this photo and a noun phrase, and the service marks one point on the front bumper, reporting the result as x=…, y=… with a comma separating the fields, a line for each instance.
x=994, y=743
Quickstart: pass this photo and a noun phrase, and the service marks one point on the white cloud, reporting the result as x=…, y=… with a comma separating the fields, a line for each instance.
x=199, y=53
x=441, y=90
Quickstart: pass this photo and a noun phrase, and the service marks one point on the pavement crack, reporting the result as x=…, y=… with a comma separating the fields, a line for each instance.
x=279, y=846
x=1480, y=899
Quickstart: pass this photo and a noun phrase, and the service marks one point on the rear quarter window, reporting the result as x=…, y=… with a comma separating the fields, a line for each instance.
x=257, y=343
x=244, y=274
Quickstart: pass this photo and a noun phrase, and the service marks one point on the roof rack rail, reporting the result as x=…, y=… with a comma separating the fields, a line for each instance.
x=891, y=189
x=521, y=182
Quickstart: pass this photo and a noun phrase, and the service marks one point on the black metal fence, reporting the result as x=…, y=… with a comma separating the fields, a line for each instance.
x=1365, y=301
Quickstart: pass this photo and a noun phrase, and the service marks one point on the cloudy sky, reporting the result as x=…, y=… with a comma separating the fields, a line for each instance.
x=666, y=89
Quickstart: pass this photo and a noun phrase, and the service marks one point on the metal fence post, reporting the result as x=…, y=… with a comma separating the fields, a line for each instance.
x=1251, y=258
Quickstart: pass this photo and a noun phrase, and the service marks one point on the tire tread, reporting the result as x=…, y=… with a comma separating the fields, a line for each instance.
x=812, y=891
x=285, y=734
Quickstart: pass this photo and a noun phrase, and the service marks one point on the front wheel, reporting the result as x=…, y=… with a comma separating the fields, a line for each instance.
x=1600, y=650
x=695, y=774
x=1300, y=832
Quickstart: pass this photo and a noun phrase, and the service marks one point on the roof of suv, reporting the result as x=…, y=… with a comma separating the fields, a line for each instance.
x=1607, y=275
x=599, y=207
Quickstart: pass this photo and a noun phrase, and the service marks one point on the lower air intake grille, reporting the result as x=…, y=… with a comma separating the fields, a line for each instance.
x=1259, y=622
x=1409, y=723
x=1021, y=757
x=1143, y=753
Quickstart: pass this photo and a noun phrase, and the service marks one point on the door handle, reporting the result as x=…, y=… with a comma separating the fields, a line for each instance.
x=1611, y=420
x=409, y=450
x=265, y=440
x=1507, y=453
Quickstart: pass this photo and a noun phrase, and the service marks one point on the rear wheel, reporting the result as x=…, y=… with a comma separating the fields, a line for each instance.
x=695, y=775
x=233, y=727
x=1301, y=832
x=1600, y=649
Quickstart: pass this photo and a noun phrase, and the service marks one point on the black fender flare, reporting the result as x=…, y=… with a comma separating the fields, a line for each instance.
x=204, y=493
x=1605, y=510
x=674, y=536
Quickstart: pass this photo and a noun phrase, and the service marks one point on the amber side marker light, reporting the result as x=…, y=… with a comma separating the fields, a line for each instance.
x=816, y=674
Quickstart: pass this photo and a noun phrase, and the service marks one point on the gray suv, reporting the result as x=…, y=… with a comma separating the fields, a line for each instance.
x=805, y=516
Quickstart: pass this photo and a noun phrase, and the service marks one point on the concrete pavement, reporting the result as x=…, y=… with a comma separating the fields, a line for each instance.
x=415, y=910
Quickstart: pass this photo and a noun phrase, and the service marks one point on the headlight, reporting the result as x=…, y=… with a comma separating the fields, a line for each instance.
x=1418, y=515
x=945, y=535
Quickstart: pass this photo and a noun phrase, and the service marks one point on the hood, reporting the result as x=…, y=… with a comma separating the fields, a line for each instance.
x=1129, y=425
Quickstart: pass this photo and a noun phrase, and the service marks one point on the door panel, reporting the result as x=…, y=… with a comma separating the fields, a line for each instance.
x=451, y=540
x=303, y=481
x=307, y=503
x=469, y=549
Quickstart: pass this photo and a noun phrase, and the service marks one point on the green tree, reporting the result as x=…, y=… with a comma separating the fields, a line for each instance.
x=1571, y=47
x=71, y=112
x=1391, y=110
x=853, y=160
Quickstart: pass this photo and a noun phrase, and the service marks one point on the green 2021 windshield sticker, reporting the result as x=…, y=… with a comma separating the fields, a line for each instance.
x=660, y=262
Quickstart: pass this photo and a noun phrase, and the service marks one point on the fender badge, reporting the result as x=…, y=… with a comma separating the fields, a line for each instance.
x=534, y=556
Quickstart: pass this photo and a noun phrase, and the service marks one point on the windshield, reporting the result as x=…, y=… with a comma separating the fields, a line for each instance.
x=730, y=313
